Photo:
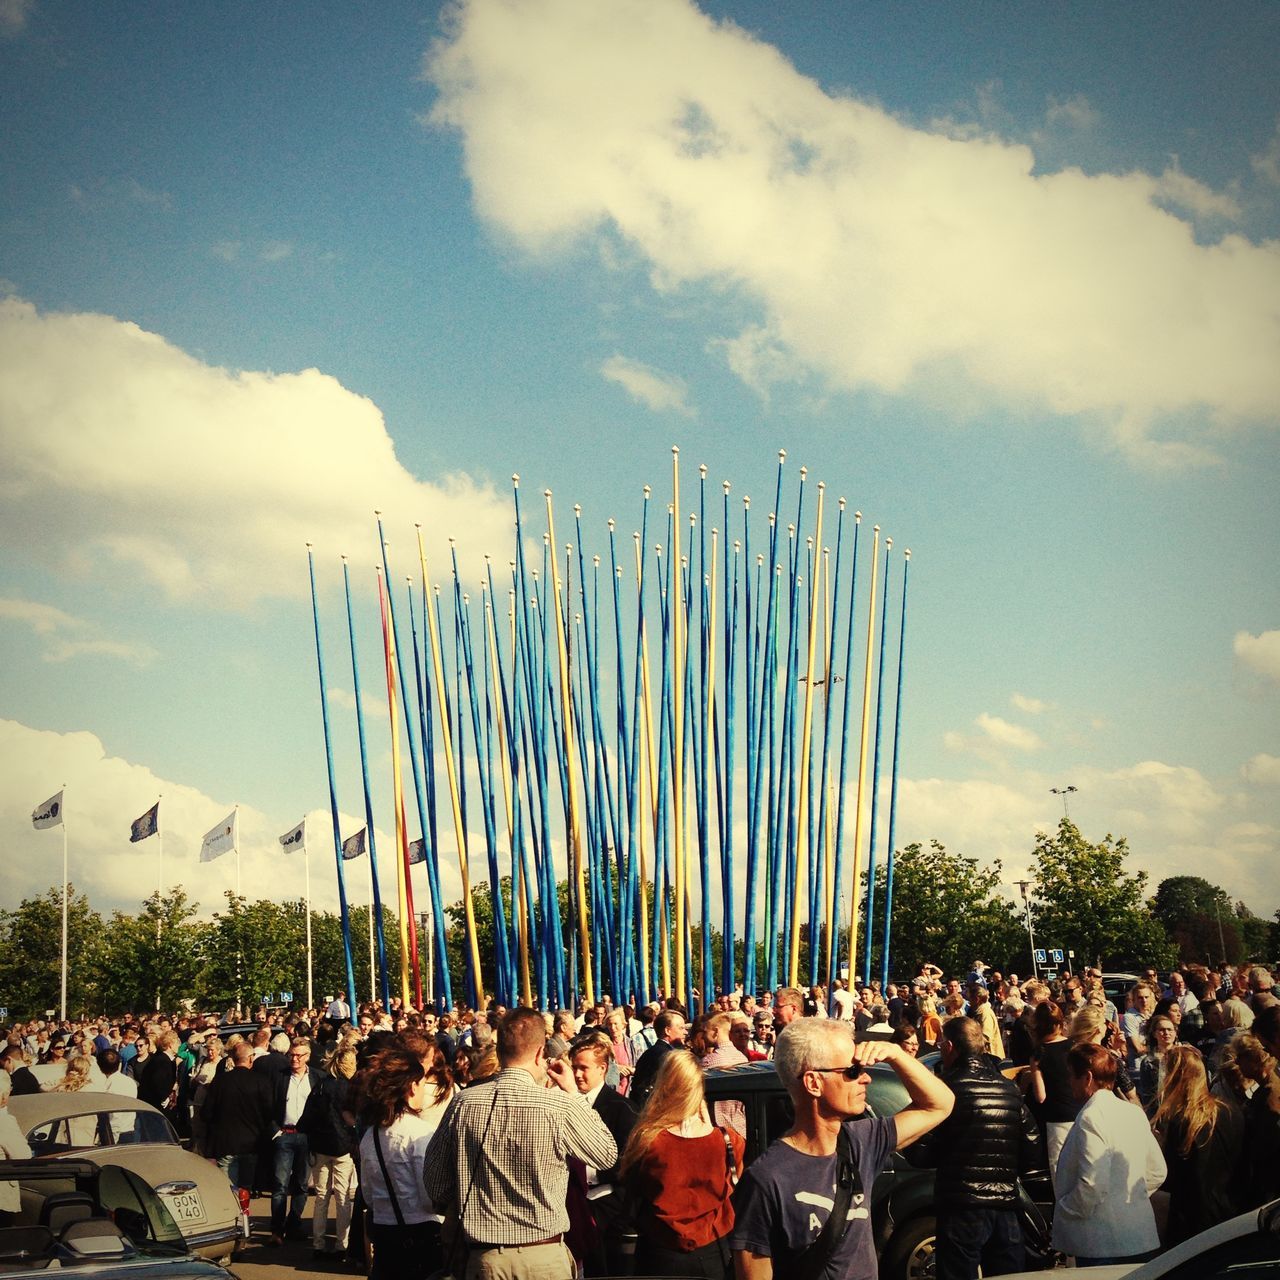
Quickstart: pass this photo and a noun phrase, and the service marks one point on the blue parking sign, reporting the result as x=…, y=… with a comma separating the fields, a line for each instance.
x=1057, y=955
x=1041, y=957
x=286, y=997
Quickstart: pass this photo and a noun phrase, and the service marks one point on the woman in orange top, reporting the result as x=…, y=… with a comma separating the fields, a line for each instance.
x=681, y=1171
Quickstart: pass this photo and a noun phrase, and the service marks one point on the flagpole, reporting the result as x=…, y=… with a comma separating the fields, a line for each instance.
x=306, y=865
x=160, y=888
x=63, y=1009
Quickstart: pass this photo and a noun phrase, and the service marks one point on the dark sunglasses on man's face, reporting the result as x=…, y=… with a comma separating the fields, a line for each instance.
x=852, y=1072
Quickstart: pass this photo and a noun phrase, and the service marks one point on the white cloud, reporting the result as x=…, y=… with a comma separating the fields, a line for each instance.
x=226, y=250
x=275, y=251
x=878, y=255
x=66, y=636
x=1184, y=192
x=122, y=454
x=1076, y=113
x=104, y=794
x=993, y=735
x=1262, y=770
x=1032, y=706
x=1176, y=820
x=1260, y=653
x=661, y=392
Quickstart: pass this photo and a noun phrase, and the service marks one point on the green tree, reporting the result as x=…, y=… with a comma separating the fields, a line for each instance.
x=31, y=954
x=1199, y=918
x=1088, y=903
x=1255, y=933
x=154, y=960
x=946, y=910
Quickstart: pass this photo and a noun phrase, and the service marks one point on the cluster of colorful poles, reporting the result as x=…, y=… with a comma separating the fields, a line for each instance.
x=618, y=757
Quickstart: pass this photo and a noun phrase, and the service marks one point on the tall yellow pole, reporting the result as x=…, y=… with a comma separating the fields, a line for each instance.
x=446, y=737
x=862, y=763
x=806, y=733
x=574, y=825
x=828, y=894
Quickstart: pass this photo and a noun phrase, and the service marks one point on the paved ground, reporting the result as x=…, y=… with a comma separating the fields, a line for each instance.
x=256, y=1259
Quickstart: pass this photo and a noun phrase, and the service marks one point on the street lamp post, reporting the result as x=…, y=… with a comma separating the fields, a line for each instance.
x=1024, y=886
x=1064, y=792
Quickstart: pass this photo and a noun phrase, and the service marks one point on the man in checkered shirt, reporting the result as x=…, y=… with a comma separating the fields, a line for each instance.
x=499, y=1158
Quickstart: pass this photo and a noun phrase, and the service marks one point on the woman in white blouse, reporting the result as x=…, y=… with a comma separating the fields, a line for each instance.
x=1109, y=1165
x=395, y=1092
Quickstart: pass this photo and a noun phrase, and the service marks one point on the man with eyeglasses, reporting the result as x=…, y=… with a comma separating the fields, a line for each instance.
x=290, y=1150
x=785, y=1198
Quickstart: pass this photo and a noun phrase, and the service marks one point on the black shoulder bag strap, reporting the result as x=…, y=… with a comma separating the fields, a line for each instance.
x=386, y=1177
x=813, y=1261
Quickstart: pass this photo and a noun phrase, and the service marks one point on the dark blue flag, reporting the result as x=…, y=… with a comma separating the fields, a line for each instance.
x=147, y=825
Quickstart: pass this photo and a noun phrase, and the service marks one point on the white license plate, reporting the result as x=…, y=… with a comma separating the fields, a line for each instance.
x=186, y=1207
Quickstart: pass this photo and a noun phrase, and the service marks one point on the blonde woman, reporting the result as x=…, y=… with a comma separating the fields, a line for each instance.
x=1255, y=1075
x=1090, y=1026
x=681, y=1171
x=201, y=1078
x=1202, y=1139
x=82, y=1131
x=929, y=1027
x=332, y=1142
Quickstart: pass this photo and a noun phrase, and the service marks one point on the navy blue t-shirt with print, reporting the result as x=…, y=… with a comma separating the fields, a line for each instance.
x=786, y=1197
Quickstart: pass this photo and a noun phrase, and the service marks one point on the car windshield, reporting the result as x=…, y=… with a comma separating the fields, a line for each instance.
x=99, y=1129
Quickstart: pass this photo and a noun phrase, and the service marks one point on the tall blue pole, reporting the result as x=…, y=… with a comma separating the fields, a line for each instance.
x=875, y=768
x=893, y=787
x=368, y=799
x=333, y=788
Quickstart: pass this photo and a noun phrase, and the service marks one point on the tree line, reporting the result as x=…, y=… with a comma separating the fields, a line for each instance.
x=946, y=909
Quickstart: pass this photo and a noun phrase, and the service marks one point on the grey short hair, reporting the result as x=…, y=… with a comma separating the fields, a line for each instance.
x=806, y=1043
x=280, y=1042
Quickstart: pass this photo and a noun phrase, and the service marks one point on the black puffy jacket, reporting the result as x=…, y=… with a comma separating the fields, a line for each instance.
x=989, y=1137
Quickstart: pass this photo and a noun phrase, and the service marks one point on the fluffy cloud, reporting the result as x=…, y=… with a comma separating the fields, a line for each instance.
x=1260, y=653
x=1262, y=770
x=13, y=16
x=661, y=392
x=120, y=450
x=1177, y=821
x=993, y=735
x=1032, y=706
x=103, y=796
x=878, y=255
x=65, y=636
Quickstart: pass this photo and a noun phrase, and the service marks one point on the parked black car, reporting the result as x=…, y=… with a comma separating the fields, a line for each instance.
x=902, y=1211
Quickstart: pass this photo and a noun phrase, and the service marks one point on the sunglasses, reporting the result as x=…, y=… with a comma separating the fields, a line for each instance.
x=852, y=1072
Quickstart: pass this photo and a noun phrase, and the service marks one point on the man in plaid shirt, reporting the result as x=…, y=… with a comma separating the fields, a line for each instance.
x=499, y=1158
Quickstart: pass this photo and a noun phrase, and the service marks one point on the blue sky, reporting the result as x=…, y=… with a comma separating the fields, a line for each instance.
x=1005, y=277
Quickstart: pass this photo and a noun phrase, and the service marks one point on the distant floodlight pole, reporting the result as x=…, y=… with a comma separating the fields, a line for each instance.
x=1064, y=792
x=1025, y=886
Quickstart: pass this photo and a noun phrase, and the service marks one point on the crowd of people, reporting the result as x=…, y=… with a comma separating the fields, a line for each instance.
x=501, y=1143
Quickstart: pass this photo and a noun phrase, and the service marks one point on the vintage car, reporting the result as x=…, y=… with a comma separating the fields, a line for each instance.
x=902, y=1214
x=1242, y=1248
x=102, y=1220
x=109, y=1129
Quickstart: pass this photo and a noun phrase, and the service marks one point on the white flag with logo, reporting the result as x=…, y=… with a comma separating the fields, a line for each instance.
x=48, y=814
x=222, y=839
x=295, y=839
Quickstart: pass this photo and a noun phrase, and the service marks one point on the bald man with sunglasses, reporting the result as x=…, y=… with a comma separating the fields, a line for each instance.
x=831, y=1152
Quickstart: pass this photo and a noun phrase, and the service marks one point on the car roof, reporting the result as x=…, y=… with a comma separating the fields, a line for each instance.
x=27, y=1108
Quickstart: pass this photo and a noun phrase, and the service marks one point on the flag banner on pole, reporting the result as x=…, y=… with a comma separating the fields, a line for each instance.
x=293, y=840
x=417, y=852
x=145, y=826
x=353, y=846
x=48, y=814
x=222, y=839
